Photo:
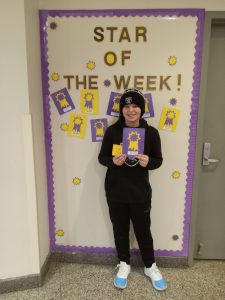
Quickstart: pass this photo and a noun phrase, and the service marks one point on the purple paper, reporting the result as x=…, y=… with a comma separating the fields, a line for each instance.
x=149, y=113
x=114, y=104
x=133, y=141
x=63, y=101
x=98, y=128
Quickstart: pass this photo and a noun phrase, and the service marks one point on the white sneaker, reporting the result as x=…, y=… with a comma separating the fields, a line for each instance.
x=158, y=282
x=120, y=280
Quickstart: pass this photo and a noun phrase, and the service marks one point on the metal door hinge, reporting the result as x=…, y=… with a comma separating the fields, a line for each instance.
x=206, y=160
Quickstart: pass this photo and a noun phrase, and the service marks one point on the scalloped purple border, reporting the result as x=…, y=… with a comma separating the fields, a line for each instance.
x=199, y=13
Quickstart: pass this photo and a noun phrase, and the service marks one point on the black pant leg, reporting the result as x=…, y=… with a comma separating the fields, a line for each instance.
x=120, y=218
x=140, y=216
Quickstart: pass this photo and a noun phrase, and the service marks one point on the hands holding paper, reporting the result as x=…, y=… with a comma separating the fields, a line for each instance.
x=119, y=159
x=143, y=159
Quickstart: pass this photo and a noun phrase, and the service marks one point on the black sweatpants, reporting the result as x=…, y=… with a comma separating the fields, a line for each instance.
x=139, y=214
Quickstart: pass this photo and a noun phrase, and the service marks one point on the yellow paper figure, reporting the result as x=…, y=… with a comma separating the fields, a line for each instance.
x=89, y=101
x=99, y=128
x=169, y=119
x=134, y=138
x=116, y=103
x=146, y=105
x=77, y=125
x=61, y=98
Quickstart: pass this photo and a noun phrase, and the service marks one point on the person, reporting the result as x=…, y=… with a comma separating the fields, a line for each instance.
x=128, y=190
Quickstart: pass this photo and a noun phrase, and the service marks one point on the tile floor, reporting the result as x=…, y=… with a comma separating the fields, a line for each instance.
x=64, y=281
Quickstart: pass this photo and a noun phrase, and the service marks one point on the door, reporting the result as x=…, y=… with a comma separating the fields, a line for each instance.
x=210, y=231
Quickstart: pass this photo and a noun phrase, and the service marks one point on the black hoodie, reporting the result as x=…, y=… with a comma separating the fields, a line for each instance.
x=124, y=183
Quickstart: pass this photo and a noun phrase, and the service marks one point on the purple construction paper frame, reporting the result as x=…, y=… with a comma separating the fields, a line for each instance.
x=199, y=14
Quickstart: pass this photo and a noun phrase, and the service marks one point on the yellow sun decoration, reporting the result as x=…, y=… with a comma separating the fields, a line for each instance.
x=172, y=60
x=64, y=126
x=76, y=181
x=176, y=174
x=55, y=76
x=91, y=65
x=60, y=232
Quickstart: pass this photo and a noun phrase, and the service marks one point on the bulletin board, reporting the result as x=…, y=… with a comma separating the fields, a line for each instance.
x=88, y=58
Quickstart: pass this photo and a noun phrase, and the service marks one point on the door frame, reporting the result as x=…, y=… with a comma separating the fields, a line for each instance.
x=211, y=18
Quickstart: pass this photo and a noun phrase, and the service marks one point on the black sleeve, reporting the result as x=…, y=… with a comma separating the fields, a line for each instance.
x=155, y=155
x=105, y=156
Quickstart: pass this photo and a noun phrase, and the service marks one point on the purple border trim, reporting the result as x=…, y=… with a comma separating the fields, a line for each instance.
x=47, y=125
x=43, y=15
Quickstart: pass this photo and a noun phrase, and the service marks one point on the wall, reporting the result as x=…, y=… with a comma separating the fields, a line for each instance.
x=16, y=243
x=36, y=111
x=98, y=4
x=21, y=183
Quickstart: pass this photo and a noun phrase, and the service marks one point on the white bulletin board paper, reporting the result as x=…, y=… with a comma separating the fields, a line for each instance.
x=88, y=59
